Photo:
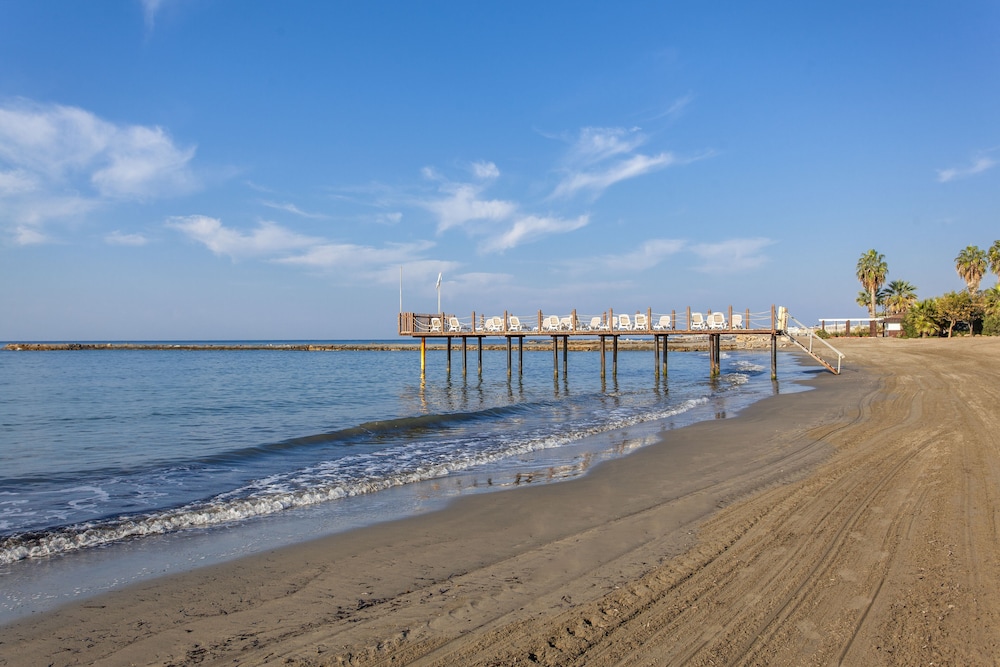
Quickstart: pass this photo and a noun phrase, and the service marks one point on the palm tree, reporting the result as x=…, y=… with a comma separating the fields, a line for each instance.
x=922, y=318
x=899, y=296
x=991, y=304
x=871, y=272
x=971, y=266
x=993, y=255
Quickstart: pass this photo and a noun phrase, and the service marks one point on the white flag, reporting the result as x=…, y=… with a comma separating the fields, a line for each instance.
x=438, y=286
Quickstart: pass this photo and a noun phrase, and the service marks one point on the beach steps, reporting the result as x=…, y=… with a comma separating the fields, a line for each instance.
x=807, y=342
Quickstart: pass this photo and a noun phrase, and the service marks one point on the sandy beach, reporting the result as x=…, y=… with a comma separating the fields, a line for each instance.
x=855, y=525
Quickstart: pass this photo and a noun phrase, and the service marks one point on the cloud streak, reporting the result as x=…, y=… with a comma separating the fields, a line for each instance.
x=732, y=255
x=529, y=228
x=62, y=162
x=267, y=240
x=602, y=157
x=462, y=202
x=978, y=166
x=272, y=242
x=500, y=221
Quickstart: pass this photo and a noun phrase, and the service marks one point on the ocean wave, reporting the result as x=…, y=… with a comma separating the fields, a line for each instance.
x=355, y=475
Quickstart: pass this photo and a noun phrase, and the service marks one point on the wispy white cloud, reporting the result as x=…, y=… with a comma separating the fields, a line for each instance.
x=677, y=107
x=599, y=180
x=267, y=240
x=274, y=243
x=149, y=11
x=143, y=162
x=648, y=255
x=292, y=208
x=529, y=228
x=62, y=162
x=602, y=157
x=978, y=166
x=26, y=235
x=462, y=202
x=595, y=144
x=121, y=238
x=330, y=255
x=732, y=255
x=485, y=170
x=16, y=182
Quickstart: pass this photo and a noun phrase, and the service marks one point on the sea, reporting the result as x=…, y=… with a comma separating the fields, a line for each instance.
x=121, y=465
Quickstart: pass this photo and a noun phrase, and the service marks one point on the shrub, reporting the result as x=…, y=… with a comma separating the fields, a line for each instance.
x=991, y=325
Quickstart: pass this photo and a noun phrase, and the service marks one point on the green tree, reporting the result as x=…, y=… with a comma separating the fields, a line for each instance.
x=872, y=270
x=971, y=266
x=922, y=319
x=959, y=308
x=993, y=255
x=900, y=295
x=864, y=299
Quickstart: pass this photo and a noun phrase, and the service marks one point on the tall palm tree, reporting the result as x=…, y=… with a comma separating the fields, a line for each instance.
x=993, y=255
x=872, y=270
x=900, y=295
x=971, y=266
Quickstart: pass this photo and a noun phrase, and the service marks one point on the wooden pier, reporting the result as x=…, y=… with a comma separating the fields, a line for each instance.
x=604, y=327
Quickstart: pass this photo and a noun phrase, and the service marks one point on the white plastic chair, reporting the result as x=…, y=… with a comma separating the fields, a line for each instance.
x=663, y=324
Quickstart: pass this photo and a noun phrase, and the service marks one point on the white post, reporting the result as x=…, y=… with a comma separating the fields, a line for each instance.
x=438, y=287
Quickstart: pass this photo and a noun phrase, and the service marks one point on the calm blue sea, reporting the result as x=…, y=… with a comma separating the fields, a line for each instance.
x=105, y=453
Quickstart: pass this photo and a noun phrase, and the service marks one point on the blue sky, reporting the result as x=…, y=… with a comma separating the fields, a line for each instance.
x=221, y=169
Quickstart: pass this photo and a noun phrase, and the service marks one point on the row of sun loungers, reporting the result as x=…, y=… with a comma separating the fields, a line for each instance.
x=554, y=323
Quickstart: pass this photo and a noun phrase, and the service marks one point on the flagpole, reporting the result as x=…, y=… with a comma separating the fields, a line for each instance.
x=439, y=292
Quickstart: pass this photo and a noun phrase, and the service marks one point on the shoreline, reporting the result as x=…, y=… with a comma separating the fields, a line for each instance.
x=848, y=524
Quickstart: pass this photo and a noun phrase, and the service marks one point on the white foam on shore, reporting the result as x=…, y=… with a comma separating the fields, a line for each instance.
x=343, y=478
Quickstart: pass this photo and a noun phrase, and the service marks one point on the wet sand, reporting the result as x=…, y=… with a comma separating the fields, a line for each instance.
x=856, y=524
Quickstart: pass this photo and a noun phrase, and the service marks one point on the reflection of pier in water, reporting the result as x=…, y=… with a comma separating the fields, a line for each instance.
x=608, y=325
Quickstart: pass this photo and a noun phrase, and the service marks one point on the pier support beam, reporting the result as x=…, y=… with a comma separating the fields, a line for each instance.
x=656, y=353
x=520, y=355
x=449, y=357
x=423, y=355
x=713, y=354
x=465, y=349
x=603, y=351
x=555, y=356
x=614, y=356
x=480, y=356
x=508, y=356
x=774, y=356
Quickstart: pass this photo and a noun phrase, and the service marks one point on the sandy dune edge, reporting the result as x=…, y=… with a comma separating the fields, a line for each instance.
x=855, y=524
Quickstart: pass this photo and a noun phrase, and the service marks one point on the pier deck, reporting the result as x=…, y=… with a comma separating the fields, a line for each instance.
x=608, y=323
x=659, y=326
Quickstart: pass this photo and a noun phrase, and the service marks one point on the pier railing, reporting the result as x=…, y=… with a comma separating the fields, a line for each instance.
x=609, y=322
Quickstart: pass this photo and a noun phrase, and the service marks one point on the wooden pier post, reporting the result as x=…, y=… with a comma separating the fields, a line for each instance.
x=448, y=369
x=465, y=349
x=774, y=356
x=656, y=353
x=614, y=356
x=423, y=354
x=508, y=355
x=718, y=354
x=555, y=356
x=520, y=355
x=665, y=355
x=480, y=356
x=713, y=362
x=603, y=351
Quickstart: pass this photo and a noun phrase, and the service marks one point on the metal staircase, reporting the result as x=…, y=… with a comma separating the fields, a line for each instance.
x=805, y=343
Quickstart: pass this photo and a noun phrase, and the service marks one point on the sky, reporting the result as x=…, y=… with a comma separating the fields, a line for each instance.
x=240, y=169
